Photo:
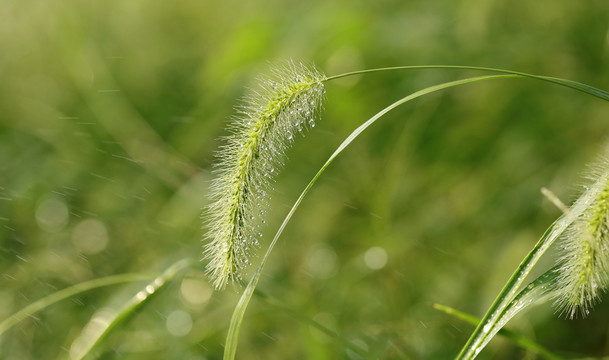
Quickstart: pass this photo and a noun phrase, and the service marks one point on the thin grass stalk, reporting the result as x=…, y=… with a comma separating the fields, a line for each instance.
x=517, y=338
x=237, y=318
x=590, y=90
x=498, y=309
x=510, y=290
x=102, y=323
x=62, y=294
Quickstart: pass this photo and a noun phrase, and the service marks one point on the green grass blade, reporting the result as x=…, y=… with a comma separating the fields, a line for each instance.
x=237, y=318
x=590, y=90
x=101, y=324
x=511, y=288
x=517, y=338
x=507, y=294
x=537, y=291
x=57, y=296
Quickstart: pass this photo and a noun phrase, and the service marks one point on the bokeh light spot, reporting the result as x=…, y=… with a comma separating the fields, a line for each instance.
x=90, y=236
x=195, y=292
x=375, y=258
x=52, y=214
x=321, y=261
x=179, y=323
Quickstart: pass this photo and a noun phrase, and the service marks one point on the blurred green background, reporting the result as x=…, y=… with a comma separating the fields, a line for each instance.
x=110, y=113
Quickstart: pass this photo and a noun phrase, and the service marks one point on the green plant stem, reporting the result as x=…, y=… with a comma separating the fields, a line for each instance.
x=497, y=310
x=558, y=81
x=237, y=318
x=507, y=295
x=101, y=324
x=520, y=340
x=57, y=296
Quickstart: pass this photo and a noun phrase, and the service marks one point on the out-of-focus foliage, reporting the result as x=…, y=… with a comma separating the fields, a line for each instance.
x=110, y=112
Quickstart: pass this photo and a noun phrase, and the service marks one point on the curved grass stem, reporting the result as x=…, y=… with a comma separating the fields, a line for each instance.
x=498, y=310
x=73, y=290
x=517, y=338
x=554, y=80
x=105, y=320
x=237, y=318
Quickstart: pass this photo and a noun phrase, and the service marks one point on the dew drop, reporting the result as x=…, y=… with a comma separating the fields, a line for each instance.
x=312, y=122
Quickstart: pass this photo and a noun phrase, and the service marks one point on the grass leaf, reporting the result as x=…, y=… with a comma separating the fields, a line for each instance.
x=590, y=90
x=237, y=318
x=105, y=320
x=537, y=291
x=497, y=310
x=517, y=338
x=73, y=290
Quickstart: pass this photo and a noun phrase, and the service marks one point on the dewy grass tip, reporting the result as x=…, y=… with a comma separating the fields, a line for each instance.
x=584, y=260
x=285, y=104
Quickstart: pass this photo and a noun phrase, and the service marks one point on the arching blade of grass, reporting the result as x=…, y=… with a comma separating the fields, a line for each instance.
x=537, y=291
x=73, y=290
x=590, y=90
x=510, y=290
x=237, y=318
x=105, y=320
x=517, y=338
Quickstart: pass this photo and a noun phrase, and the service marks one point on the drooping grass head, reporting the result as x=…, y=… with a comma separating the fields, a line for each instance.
x=283, y=106
x=583, y=275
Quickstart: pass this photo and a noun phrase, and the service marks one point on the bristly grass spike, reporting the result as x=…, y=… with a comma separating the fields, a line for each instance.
x=583, y=274
x=265, y=127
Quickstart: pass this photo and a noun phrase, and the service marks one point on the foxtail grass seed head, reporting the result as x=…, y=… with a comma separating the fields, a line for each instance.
x=583, y=275
x=266, y=125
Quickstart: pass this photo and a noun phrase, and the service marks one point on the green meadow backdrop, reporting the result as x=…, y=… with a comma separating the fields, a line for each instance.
x=111, y=111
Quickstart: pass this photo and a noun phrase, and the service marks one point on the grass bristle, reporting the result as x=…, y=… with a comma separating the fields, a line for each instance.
x=284, y=105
